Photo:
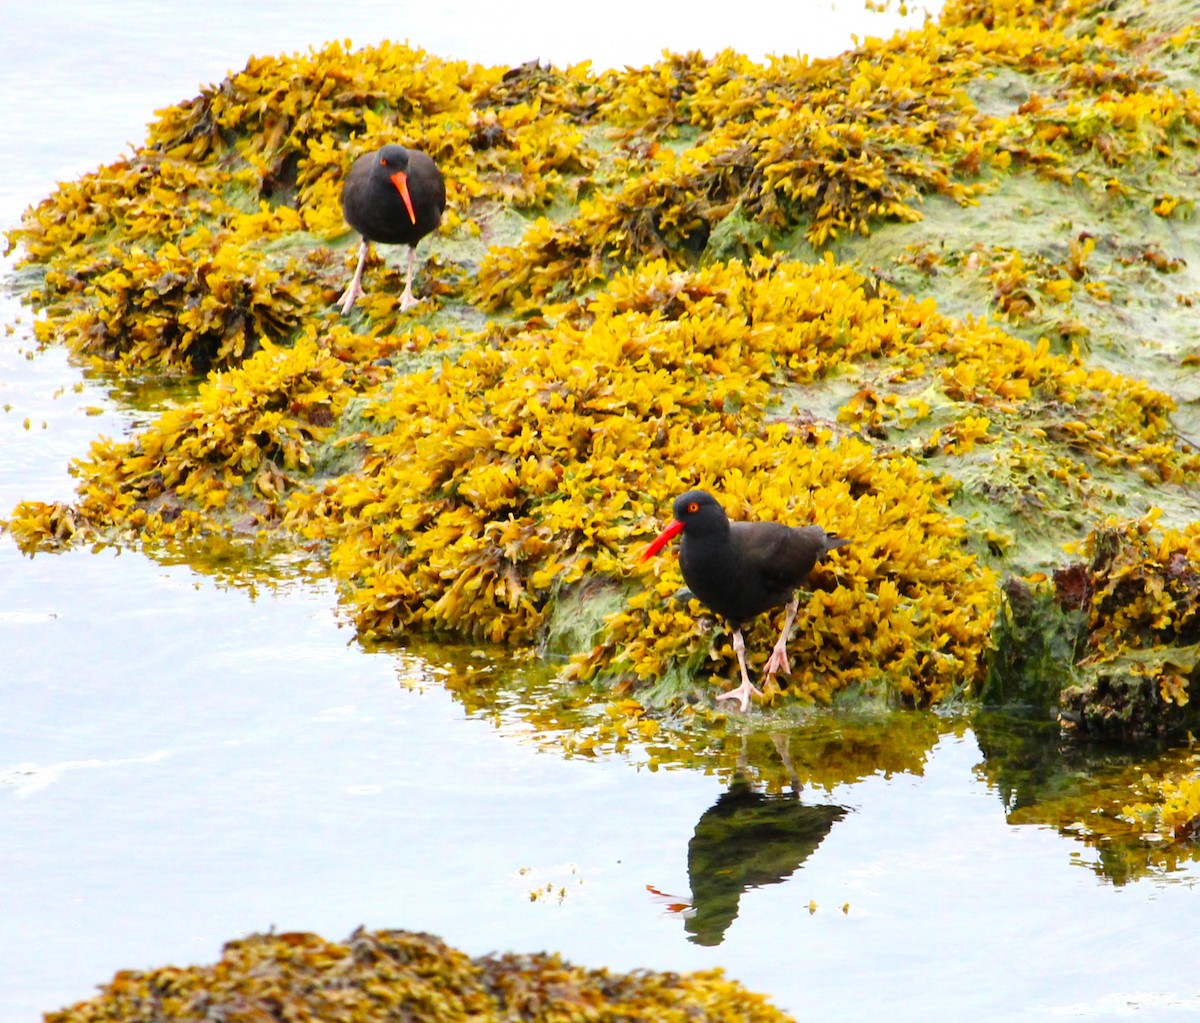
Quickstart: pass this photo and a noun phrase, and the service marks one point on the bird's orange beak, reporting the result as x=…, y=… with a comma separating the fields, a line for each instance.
x=400, y=180
x=663, y=538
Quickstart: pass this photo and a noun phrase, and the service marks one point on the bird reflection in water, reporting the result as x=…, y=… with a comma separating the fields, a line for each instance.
x=746, y=839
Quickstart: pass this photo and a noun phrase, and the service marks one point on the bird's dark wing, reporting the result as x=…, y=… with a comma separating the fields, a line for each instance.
x=781, y=554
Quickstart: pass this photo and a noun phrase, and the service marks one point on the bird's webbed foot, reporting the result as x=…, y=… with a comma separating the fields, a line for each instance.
x=349, y=297
x=742, y=693
x=777, y=663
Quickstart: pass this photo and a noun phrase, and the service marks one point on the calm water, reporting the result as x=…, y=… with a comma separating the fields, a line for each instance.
x=183, y=762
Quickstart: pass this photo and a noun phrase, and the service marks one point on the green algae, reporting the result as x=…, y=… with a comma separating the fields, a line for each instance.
x=1037, y=643
x=736, y=236
x=577, y=618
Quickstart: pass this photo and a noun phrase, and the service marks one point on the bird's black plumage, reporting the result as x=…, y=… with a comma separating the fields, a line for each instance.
x=374, y=206
x=394, y=196
x=741, y=569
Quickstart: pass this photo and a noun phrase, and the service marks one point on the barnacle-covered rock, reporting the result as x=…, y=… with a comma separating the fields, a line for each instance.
x=388, y=975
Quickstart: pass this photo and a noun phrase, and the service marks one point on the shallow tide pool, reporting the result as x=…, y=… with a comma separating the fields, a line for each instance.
x=184, y=764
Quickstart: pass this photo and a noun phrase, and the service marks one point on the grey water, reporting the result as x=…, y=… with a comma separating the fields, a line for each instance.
x=184, y=760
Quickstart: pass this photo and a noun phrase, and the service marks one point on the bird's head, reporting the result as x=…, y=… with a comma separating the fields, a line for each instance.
x=393, y=161
x=696, y=510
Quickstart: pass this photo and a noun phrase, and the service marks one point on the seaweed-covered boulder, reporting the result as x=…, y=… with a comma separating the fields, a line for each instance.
x=1113, y=643
x=783, y=282
x=378, y=976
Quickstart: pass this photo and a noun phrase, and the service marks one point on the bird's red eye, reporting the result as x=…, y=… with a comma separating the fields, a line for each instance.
x=694, y=507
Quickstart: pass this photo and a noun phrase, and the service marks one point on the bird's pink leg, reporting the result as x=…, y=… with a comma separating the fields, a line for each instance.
x=747, y=687
x=778, y=661
x=406, y=300
x=354, y=290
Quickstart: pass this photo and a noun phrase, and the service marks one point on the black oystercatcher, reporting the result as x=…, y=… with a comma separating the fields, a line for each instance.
x=395, y=197
x=741, y=569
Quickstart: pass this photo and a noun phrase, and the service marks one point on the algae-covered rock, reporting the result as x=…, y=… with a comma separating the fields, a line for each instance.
x=401, y=975
x=1113, y=643
x=1035, y=644
x=933, y=293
